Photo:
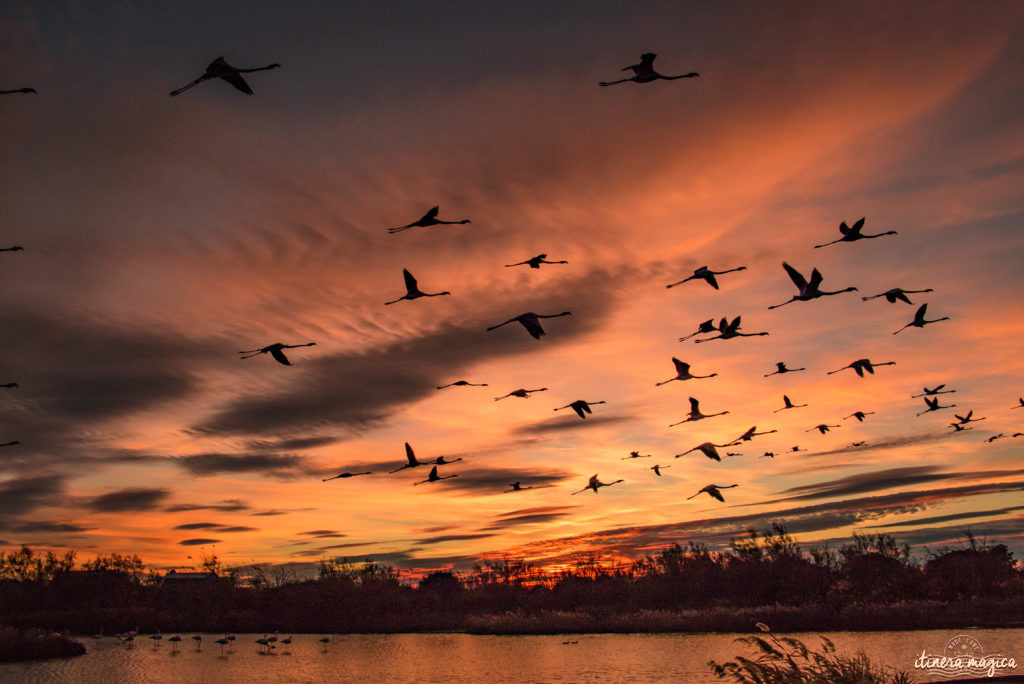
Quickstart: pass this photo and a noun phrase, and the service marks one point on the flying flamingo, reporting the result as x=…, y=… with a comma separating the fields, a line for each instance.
x=713, y=492
x=683, y=373
x=10, y=385
x=634, y=454
x=657, y=469
x=796, y=448
x=938, y=390
x=852, y=233
x=861, y=365
x=19, y=90
x=707, y=275
x=462, y=383
x=808, y=290
x=896, y=293
x=441, y=460
x=411, y=457
x=582, y=408
x=749, y=435
x=695, y=413
x=995, y=437
x=516, y=487
x=529, y=321
x=933, y=405
x=220, y=69
x=275, y=351
x=964, y=420
x=412, y=290
x=15, y=248
x=707, y=326
x=428, y=219
x=345, y=475
x=594, y=483
x=535, y=262
x=781, y=366
x=957, y=427
x=727, y=331
x=859, y=415
x=14, y=443
x=858, y=444
x=767, y=454
x=706, y=448
x=822, y=428
x=434, y=477
x=521, y=393
x=788, y=404
x=644, y=72
x=919, y=321
x=1020, y=399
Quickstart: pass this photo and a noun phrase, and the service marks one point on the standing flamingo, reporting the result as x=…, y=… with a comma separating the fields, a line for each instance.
x=695, y=413
x=713, y=491
x=581, y=407
x=919, y=321
x=896, y=293
x=529, y=320
x=707, y=275
x=852, y=233
x=428, y=219
x=594, y=484
x=219, y=68
x=275, y=351
x=644, y=72
x=683, y=373
x=412, y=290
x=535, y=262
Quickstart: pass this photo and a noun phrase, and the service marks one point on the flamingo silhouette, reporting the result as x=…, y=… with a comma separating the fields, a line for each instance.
x=713, y=491
x=15, y=248
x=657, y=469
x=345, y=475
x=275, y=351
x=728, y=330
x=582, y=408
x=434, y=477
x=516, y=487
x=219, y=68
x=957, y=427
x=861, y=365
x=411, y=460
x=852, y=233
x=748, y=435
x=412, y=290
x=933, y=405
x=808, y=289
x=13, y=443
x=594, y=484
x=644, y=72
x=535, y=262
x=428, y=219
x=683, y=373
x=10, y=385
x=175, y=640
x=707, y=326
x=919, y=321
x=634, y=454
x=787, y=404
x=325, y=640
x=822, y=428
x=767, y=454
x=223, y=641
x=781, y=368
x=896, y=293
x=858, y=444
x=859, y=415
x=441, y=460
x=1019, y=399
x=995, y=437
x=521, y=393
x=796, y=448
x=19, y=90
x=931, y=392
x=707, y=275
x=198, y=638
x=461, y=383
x=695, y=413
x=529, y=320
x=964, y=420
x=707, y=448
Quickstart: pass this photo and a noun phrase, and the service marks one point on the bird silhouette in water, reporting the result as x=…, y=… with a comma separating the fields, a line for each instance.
x=781, y=368
x=529, y=320
x=713, y=491
x=861, y=365
x=325, y=640
x=707, y=326
x=767, y=454
x=822, y=428
x=788, y=404
x=728, y=330
x=19, y=90
x=516, y=487
x=695, y=413
x=644, y=72
x=345, y=475
x=198, y=638
x=1019, y=399
x=461, y=383
x=275, y=351
x=707, y=448
x=634, y=454
x=9, y=385
x=964, y=420
x=808, y=289
x=919, y=320
x=221, y=69
x=707, y=275
x=535, y=262
x=933, y=405
x=175, y=640
x=932, y=392
x=428, y=219
x=521, y=393
x=582, y=408
x=657, y=469
x=683, y=373
x=859, y=415
x=411, y=461
x=749, y=435
x=412, y=290
x=853, y=233
x=896, y=293
x=223, y=641
x=434, y=477
x=594, y=484
x=15, y=248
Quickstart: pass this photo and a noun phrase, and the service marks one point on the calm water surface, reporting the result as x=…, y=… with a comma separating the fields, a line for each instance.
x=463, y=658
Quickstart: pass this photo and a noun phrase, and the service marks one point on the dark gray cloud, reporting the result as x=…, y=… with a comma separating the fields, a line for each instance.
x=222, y=505
x=951, y=517
x=523, y=520
x=46, y=526
x=236, y=528
x=295, y=444
x=570, y=422
x=497, y=480
x=891, y=442
x=22, y=495
x=135, y=499
x=277, y=465
x=322, y=534
x=454, y=537
x=198, y=526
x=198, y=542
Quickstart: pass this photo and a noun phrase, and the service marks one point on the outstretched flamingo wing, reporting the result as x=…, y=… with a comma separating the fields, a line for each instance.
x=431, y=215
x=235, y=79
x=410, y=282
x=532, y=326
x=279, y=356
x=816, y=279
x=795, y=276
x=410, y=456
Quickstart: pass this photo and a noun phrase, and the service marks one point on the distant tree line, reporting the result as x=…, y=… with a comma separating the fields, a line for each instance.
x=870, y=583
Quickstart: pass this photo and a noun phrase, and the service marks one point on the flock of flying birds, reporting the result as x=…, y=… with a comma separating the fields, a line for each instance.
x=725, y=329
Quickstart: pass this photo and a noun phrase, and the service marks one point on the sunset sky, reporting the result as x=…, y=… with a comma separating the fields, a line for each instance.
x=163, y=235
